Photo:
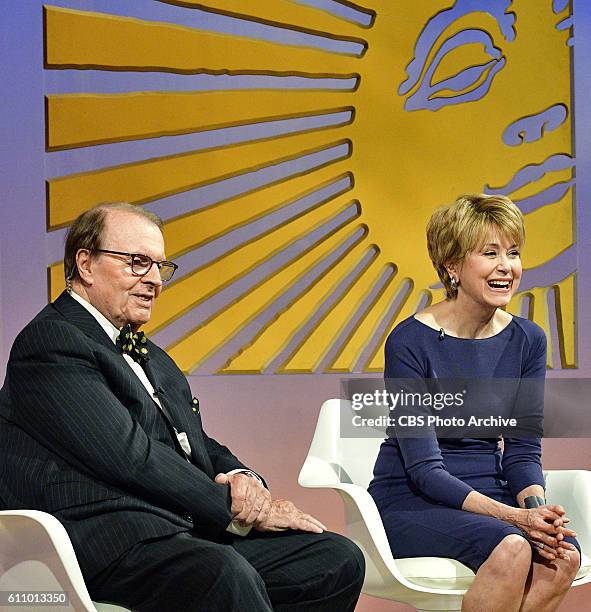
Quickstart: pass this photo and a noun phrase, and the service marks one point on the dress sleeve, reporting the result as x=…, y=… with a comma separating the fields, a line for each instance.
x=522, y=457
x=422, y=456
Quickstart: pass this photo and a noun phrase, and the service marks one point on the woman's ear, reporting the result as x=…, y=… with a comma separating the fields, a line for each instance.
x=452, y=270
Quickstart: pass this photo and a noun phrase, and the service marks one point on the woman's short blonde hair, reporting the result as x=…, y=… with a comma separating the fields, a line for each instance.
x=456, y=230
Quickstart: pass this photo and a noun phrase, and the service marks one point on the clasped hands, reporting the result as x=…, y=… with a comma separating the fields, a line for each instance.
x=546, y=525
x=252, y=505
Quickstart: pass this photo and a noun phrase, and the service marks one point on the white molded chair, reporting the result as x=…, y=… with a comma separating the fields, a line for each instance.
x=36, y=555
x=427, y=583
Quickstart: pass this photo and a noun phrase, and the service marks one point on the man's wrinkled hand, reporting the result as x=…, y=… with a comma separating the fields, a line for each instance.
x=284, y=515
x=251, y=501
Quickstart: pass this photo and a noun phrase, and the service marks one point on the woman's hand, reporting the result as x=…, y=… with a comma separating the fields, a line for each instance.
x=544, y=525
x=563, y=531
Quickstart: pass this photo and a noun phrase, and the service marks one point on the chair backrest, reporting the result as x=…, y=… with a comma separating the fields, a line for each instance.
x=344, y=453
x=351, y=451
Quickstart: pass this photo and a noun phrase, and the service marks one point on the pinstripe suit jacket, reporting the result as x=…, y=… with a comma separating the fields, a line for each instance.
x=81, y=438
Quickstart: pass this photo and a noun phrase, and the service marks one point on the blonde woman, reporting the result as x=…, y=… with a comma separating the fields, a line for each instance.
x=465, y=498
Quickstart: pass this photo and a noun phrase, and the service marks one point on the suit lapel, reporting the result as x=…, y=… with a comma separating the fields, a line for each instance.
x=183, y=419
x=76, y=314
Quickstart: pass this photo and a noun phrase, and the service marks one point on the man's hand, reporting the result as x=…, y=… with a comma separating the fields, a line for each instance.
x=251, y=502
x=284, y=515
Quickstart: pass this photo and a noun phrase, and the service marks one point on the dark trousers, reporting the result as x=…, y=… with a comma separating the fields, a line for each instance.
x=285, y=571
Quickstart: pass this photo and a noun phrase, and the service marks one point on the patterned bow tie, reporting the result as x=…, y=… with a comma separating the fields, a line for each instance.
x=133, y=344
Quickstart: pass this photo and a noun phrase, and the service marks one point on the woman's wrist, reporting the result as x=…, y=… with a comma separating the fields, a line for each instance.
x=513, y=515
x=481, y=504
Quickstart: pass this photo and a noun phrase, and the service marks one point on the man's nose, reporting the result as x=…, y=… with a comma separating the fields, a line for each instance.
x=153, y=276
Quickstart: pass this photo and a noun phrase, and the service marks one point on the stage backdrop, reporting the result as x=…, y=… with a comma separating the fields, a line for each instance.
x=295, y=151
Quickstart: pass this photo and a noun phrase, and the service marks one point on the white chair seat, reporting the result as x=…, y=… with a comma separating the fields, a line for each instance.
x=450, y=574
x=427, y=583
x=436, y=572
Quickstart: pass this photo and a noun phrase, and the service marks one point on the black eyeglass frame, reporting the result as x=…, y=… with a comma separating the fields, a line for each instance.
x=159, y=264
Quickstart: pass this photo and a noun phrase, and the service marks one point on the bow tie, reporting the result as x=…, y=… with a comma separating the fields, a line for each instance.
x=133, y=344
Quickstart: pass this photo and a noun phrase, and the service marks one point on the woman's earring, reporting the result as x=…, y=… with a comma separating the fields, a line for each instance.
x=453, y=283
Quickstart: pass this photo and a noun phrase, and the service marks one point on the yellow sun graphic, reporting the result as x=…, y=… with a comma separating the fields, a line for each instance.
x=296, y=151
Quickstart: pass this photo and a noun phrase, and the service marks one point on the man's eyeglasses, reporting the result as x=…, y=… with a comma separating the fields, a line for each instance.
x=142, y=264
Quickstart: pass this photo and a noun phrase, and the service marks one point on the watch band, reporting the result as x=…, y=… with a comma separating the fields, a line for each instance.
x=533, y=501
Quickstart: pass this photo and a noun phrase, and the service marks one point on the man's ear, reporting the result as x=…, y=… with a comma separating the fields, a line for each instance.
x=83, y=262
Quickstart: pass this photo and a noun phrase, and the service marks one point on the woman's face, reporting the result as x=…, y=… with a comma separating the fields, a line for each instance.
x=490, y=274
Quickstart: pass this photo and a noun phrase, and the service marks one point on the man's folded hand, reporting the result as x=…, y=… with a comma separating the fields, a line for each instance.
x=251, y=501
x=284, y=515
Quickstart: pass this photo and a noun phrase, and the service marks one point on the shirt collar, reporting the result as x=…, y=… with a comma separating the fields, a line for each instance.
x=110, y=329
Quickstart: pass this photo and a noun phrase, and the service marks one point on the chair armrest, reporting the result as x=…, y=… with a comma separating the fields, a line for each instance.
x=365, y=523
x=318, y=473
x=32, y=535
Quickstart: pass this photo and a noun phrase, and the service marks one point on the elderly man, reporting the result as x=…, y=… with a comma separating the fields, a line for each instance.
x=98, y=427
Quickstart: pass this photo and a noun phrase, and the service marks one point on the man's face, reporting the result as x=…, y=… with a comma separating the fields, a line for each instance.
x=113, y=289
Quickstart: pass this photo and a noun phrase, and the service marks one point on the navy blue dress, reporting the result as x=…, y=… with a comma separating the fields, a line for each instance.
x=420, y=484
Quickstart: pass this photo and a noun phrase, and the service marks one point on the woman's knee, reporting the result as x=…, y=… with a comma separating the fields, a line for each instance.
x=568, y=568
x=510, y=554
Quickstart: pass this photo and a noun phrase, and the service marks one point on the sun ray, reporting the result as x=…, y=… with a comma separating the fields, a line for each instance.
x=364, y=312
x=203, y=255
x=538, y=310
x=367, y=332
x=336, y=283
x=564, y=301
x=307, y=18
x=190, y=231
x=283, y=339
x=213, y=332
x=76, y=120
x=184, y=296
x=265, y=353
x=522, y=305
x=150, y=180
x=403, y=307
x=81, y=39
x=351, y=264
x=553, y=309
x=334, y=313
